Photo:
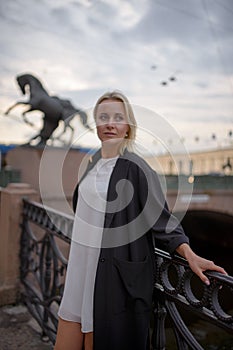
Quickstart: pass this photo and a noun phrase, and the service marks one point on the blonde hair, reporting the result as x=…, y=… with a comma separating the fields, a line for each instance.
x=127, y=143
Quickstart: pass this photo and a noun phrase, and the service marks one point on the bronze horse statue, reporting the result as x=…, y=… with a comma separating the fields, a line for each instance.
x=53, y=107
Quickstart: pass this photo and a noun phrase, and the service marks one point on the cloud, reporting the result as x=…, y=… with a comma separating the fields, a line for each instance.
x=81, y=48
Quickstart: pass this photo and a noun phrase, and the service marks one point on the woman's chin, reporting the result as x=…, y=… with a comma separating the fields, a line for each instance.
x=112, y=141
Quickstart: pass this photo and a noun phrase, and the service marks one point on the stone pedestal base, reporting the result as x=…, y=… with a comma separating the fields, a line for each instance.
x=10, y=231
x=51, y=171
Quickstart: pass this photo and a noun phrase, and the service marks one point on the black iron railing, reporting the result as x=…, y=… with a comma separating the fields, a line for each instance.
x=45, y=244
x=177, y=288
x=44, y=248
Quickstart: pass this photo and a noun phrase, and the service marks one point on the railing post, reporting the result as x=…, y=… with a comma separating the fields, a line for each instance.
x=10, y=219
x=160, y=313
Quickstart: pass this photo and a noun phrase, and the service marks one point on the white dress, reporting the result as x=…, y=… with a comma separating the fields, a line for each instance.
x=77, y=300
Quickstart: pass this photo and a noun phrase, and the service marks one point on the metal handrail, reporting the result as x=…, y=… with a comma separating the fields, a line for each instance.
x=43, y=268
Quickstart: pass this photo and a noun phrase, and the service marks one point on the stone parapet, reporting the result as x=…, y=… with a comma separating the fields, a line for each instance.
x=10, y=219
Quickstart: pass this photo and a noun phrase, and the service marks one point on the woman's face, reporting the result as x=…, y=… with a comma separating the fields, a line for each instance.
x=111, y=120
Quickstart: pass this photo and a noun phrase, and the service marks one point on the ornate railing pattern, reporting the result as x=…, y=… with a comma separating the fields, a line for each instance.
x=180, y=289
x=45, y=243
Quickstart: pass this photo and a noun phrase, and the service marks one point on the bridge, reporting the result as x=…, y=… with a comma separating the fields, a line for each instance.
x=207, y=208
x=206, y=214
x=44, y=236
x=206, y=192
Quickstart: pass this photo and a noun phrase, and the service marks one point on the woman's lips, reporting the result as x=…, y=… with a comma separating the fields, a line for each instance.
x=109, y=134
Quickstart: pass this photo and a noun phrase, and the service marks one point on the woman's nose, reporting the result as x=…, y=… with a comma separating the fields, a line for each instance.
x=110, y=126
x=110, y=123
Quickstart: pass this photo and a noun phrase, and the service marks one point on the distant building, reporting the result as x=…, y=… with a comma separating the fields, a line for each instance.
x=215, y=162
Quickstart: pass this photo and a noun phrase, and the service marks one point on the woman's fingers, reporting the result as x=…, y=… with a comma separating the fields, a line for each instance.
x=200, y=265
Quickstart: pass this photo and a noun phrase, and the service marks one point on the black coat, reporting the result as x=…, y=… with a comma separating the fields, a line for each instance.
x=136, y=210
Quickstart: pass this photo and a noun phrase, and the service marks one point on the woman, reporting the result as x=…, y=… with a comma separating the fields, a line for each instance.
x=120, y=210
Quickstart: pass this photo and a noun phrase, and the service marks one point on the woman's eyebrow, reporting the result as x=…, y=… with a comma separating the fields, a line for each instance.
x=103, y=113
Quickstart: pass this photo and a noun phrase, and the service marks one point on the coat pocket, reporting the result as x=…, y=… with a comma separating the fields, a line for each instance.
x=132, y=285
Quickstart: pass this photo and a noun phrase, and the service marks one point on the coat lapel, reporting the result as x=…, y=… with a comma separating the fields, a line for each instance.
x=119, y=173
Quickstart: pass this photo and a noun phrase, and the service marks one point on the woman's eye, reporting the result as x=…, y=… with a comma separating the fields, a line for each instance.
x=103, y=117
x=119, y=118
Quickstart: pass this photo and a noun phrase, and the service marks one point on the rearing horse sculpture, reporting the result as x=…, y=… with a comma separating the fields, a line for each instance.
x=54, y=108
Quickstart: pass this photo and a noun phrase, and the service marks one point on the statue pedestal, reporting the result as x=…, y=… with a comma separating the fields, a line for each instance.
x=10, y=229
x=51, y=171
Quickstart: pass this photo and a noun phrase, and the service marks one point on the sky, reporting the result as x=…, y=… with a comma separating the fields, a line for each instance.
x=81, y=48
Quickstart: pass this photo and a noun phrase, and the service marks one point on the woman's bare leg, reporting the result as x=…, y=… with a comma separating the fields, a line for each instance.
x=88, y=341
x=69, y=336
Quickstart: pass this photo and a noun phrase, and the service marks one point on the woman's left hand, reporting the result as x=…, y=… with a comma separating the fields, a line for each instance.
x=198, y=264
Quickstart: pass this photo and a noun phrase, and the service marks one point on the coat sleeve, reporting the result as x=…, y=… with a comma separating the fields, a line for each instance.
x=167, y=230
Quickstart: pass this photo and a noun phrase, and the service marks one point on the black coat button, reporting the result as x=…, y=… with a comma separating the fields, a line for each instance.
x=102, y=260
